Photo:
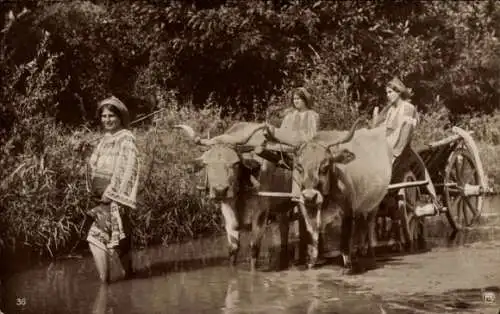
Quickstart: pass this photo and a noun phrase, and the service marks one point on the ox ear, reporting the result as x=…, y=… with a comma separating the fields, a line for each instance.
x=250, y=163
x=195, y=165
x=343, y=156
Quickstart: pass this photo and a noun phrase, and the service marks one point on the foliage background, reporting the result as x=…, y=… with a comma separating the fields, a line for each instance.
x=210, y=63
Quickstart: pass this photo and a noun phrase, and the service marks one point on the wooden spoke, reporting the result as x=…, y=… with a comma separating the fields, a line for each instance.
x=465, y=214
x=457, y=172
x=457, y=203
x=470, y=206
x=455, y=191
x=470, y=176
x=412, y=225
x=462, y=167
x=453, y=176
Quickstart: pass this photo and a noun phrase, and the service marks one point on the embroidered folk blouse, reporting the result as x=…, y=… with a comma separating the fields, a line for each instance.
x=400, y=121
x=303, y=124
x=114, y=164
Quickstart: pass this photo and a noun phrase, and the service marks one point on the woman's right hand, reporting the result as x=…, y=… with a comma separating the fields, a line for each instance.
x=105, y=199
x=270, y=129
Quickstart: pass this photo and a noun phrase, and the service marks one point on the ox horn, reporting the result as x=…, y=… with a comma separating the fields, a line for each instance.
x=282, y=136
x=239, y=138
x=223, y=138
x=349, y=135
x=189, y=130
x=192, y=134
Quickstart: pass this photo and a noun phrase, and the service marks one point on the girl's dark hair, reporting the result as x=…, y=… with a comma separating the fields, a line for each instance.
x=111, y=108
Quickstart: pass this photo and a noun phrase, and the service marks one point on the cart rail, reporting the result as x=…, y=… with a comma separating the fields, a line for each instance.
x=447, y=140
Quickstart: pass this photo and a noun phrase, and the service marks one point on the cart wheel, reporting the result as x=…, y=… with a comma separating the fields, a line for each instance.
x=413, y=225
x=461, y=172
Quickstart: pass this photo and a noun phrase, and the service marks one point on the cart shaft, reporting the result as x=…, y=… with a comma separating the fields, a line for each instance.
x=274, y=194
x=407, y=184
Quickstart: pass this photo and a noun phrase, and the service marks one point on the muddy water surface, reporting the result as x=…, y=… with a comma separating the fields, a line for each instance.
x=451, y=277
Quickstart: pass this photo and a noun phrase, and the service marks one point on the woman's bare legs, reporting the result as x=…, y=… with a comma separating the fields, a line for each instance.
x=101, y=262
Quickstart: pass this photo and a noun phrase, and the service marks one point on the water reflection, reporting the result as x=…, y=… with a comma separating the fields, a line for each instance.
x=101, y=300
x=194, y=278
x=232, y=298
x=315, y=291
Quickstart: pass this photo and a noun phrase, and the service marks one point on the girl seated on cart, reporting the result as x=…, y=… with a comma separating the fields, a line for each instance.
x=400, y=118
x=303, y=121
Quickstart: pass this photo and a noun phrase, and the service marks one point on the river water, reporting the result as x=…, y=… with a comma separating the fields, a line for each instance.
x=194, y=278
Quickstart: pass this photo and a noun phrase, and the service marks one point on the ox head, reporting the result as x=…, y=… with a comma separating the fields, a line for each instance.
x=222, y=162
x=315, y=162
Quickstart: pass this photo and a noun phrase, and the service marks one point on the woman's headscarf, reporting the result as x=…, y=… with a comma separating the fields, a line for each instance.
x=120, y=106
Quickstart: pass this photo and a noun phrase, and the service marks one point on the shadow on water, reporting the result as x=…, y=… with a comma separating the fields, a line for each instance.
x=163, y=268
x=194, y=277
x=458, y=300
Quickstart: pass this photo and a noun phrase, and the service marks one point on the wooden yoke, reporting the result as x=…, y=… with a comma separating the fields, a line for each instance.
x=279, y=154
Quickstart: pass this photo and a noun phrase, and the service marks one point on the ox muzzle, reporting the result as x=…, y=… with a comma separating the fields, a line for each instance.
x=220, y=192
x=312, y=197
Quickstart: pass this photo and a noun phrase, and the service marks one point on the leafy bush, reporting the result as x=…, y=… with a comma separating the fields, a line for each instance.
x=243, y=54
x=43, y=197
x=241, y=57
x=43, y=200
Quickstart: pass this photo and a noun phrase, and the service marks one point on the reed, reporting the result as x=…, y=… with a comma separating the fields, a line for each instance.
x=43, y=197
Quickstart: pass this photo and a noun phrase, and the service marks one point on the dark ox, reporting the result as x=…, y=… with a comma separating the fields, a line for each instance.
x=227, y=170
x=344, y=173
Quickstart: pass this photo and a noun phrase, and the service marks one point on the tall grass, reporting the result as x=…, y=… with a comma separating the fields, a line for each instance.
x=43, y=198
x=170, y=207
x=43, y=194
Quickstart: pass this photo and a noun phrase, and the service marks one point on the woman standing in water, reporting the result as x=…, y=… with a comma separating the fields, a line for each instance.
x=114, y=174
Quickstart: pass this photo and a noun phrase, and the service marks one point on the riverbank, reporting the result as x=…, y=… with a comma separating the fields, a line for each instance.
x=170, y=209
x=451, y=276
x=437, y=228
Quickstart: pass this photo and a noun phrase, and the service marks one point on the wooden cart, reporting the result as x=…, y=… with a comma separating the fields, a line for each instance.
x=457, y=175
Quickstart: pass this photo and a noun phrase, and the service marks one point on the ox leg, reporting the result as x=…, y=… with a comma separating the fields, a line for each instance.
x=372, y=238
x=362, y=235
x=303, y=240
x=312, y=227
x=346, y=240
x=259, y=223
x=232, y=230
x=384, y=234
x=284, y=230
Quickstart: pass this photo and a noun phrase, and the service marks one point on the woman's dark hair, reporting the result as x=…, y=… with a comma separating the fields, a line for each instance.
x=111, y=108
x=306, y=96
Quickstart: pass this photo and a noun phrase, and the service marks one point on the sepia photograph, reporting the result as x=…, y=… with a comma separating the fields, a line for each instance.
x=249, y=156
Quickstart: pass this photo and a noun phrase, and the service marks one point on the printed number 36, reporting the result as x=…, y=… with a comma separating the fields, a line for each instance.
x=21, y=301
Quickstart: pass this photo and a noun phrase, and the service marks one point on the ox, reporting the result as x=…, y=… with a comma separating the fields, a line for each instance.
x=227, y=170
x=347, y=171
